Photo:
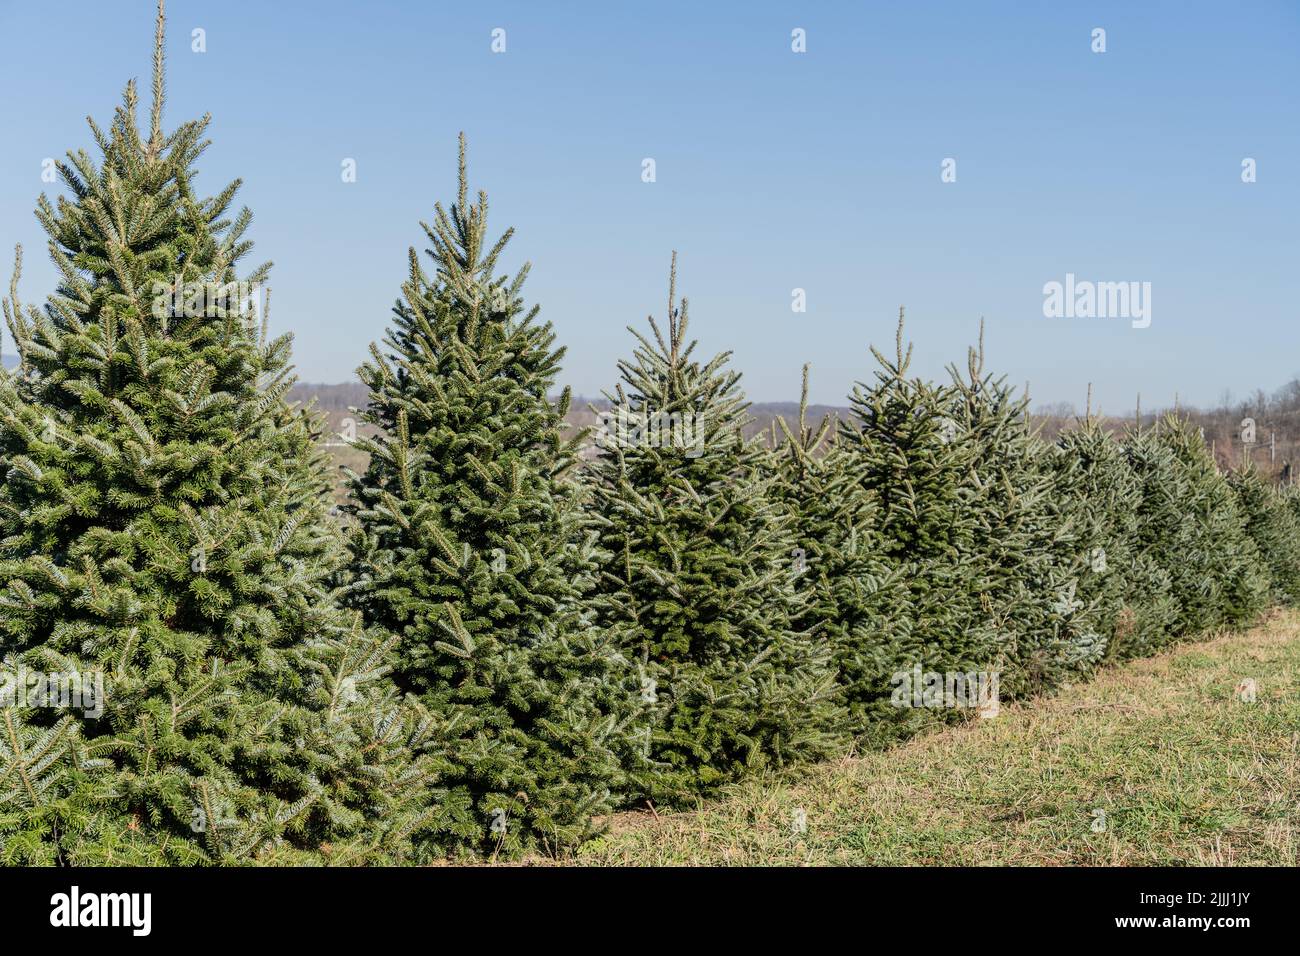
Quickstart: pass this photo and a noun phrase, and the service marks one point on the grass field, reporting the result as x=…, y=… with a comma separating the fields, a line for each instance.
x=1159, y=761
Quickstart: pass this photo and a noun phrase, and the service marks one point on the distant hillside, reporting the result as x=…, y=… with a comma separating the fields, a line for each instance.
x=331, y=398
x=1277, y=419
x=336, y=400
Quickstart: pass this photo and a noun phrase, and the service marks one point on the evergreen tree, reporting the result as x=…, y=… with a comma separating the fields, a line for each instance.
x=915, y=460
x=1025, y=548
x=1128, y=591
x=472, y=548
x=852, y=595
x=163, y=531
x=699, y=570
x=1190, y=524
x=1274, y=527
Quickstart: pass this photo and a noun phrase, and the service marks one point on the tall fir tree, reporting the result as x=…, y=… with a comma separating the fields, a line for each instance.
x=1025, y=548
x=698, y=576
x=853, y=596
x=163, y=535
x=472, y=548
x=1128, y=590
x=915, y=460
x=1190, y=524
x=1274, y=527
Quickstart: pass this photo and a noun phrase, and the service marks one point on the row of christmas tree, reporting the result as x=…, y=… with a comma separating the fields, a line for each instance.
x=500, y=642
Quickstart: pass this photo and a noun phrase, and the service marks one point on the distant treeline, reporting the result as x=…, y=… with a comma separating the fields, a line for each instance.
x=1276, y=417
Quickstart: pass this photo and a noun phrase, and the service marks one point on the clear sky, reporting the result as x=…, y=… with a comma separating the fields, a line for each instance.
x=775, y=170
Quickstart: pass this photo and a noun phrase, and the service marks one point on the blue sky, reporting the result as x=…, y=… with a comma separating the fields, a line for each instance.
x=775, y=171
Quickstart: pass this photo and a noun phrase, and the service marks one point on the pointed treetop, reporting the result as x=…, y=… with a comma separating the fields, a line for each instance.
x=898, y=368
x=462, y=178
x=803, y=397
x=809, y=440
x=672, y=288
x=1087, y=408
x=903, y=360
x=465, y=261
x=975, y=360
x=677, y=320
x=155, y=119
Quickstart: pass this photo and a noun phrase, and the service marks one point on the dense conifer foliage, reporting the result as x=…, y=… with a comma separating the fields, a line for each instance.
x=472, y=549
x=852, y=594
x=698, y=580
x=1127, y=590
x=1272, y=523
x=165, y=552
x=1191, y=526
x=1026, y=556
x=512, y=629
x=915, y=458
